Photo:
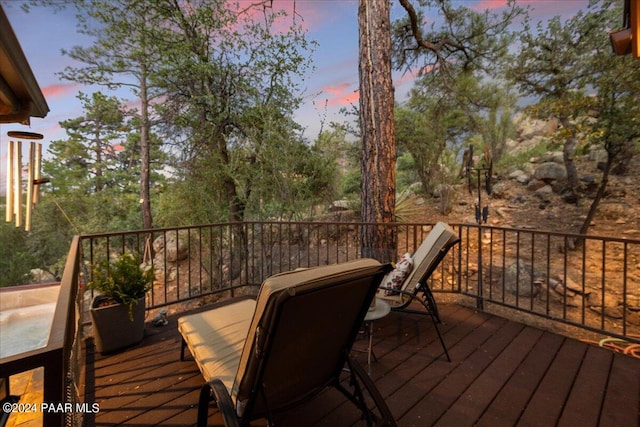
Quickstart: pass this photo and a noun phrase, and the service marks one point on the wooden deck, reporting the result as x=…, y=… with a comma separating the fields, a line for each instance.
x=502, y=373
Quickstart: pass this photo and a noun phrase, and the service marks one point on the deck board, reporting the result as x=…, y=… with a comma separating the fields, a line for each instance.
x=502, y=373
x=508, y=405
x=587, y=394
x=546, y=405
x=623, y=391
x=472, y=402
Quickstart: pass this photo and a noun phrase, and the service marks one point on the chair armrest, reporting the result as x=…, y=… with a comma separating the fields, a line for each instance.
x=223, y=402
x=427, y=300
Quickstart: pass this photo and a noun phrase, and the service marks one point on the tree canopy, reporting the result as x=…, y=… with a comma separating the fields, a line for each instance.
x=211, y=135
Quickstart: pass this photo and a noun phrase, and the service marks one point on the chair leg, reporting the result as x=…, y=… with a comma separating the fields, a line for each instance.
x=360, y=377
x=182, y=345
x=435, y=319
x=203, y=405
x=444, y=347
x=432, y=306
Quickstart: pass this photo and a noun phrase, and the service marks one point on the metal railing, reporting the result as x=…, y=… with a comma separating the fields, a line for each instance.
x=193, y=262
x=591, y=282
x=586, y=281
x=62, y=356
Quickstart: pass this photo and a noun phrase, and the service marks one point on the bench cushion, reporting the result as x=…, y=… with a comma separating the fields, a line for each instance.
x=216, y=338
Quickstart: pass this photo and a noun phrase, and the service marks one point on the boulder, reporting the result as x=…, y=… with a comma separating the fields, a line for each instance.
x=554, y=157
x=599, y=155
x=527, y=127
x=544, y=192
x=520, y=176
x=42, y=276
x=518, y=280
x=500, y=190
x=550, y=171
x=534, y=185
x=174, y=245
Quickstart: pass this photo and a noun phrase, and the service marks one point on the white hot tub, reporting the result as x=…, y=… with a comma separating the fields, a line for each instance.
x=26, y=314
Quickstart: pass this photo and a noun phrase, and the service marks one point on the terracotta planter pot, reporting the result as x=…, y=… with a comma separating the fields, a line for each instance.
x=113, y=329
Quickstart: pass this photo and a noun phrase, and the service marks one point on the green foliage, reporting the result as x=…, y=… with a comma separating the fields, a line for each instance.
x=230, y=82
x=88, y=160
x=406, y=209
x=442, y=114
x=556, y=64
x=554, y=59
x=512, y=160
x=463, y=38
x=16, y=258
x=95, y=173
x=123, y=280
x=230, y=86
x=421, y=134
x=189, y=201
x=351, y=183
x=50, y=235
x=406, y=173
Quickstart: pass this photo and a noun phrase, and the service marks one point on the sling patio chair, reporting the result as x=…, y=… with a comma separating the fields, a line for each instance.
x=262, y=357
x=408, y=281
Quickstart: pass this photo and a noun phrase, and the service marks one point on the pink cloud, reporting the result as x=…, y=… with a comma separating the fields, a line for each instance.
x=492, y=4
x=408, y=76
x=304, y=14
x=345, y=94
x=344, y=100
x=58, y=90
x=53, y=129
x=309, y=14
x=347, y=99
x=336, y=90
x=540, y=9
x=342, y=94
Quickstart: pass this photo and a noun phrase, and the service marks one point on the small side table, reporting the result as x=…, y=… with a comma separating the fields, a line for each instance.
x=382, y=308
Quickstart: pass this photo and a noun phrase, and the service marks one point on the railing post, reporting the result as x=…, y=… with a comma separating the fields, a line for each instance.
x=480, y=298
x=54, y=390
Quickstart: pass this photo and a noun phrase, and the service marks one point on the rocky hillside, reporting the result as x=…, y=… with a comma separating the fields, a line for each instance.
x=529, y=195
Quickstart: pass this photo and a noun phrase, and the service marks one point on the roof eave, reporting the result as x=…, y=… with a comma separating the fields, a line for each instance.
x=20, y=95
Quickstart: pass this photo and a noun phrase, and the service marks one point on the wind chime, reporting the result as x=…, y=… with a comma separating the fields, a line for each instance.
x=14, y=203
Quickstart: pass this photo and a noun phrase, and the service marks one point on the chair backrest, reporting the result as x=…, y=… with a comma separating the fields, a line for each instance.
x=429, y=254
x=303, y=327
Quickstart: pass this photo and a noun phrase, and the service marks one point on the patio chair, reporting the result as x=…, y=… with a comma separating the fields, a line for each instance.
x=400, y=289
x=262, y=357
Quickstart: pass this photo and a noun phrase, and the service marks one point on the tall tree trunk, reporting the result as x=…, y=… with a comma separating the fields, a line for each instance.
x=145, y=153
x=567, y=155
x=98, y=149
x=377, y=129
x=596, y=200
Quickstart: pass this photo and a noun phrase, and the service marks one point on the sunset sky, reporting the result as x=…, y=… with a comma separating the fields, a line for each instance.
x=332, y=23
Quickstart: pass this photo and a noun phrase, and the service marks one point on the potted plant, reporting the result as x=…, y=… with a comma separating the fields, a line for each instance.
x=118, y=310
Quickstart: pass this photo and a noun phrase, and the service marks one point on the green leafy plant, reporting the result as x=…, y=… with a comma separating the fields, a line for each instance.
x=122, y=281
